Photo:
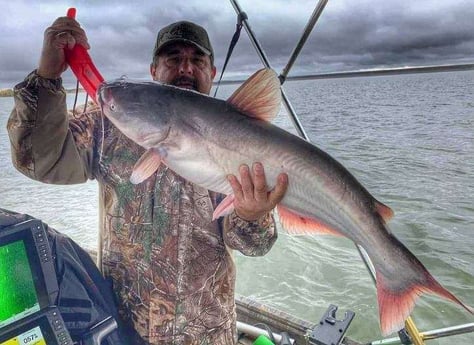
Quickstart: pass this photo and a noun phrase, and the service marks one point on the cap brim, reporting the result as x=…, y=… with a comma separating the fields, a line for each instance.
x=180, y=40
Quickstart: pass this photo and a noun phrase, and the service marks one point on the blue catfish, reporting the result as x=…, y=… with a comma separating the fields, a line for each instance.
x=204, y=139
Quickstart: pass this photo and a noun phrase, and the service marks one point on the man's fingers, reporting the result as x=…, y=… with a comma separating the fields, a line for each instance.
x=278, y=192
x=66, y=24
x=67, y=31
x=71, y=42
x=236, y=187
x=252, y=199
x=246, y=181
x=260, y=183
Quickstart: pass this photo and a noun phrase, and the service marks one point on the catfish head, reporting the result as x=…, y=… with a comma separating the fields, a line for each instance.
x=138, y=109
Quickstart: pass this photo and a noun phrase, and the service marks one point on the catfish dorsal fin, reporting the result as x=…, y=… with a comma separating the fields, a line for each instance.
x=259, y=96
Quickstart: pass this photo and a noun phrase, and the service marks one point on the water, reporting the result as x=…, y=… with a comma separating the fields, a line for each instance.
x=409, y=139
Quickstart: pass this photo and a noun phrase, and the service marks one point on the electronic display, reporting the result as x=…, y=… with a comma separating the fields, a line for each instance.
x=27, y=276
x=45, y=327
x=18, y=297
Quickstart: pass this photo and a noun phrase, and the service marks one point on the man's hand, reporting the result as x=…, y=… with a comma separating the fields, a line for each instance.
x=252, y=199
x=65, y=32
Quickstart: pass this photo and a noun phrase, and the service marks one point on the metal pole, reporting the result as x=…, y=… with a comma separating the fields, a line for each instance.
x=256, y=331
x=368, y=263
x=448, y=331
x=433, y=334
x=309, y=27
x=266, y=63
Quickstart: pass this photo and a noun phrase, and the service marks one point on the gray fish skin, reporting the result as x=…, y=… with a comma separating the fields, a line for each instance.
x=204, y=139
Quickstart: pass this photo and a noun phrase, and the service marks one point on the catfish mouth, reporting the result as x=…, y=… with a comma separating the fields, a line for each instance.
x=104, y=95
x=105, y=99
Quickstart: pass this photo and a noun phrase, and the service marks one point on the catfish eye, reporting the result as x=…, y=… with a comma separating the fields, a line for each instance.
x=112, y=106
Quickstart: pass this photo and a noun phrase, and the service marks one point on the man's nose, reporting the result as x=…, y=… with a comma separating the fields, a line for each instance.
x=186, y=66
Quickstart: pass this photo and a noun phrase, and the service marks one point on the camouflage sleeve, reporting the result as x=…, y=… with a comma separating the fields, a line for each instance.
x=250, y=238
x=46, y=144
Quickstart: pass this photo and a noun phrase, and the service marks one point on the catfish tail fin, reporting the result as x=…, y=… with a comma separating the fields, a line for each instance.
x=396, y=306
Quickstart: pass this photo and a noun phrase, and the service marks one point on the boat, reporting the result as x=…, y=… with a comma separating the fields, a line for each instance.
x=255, y=319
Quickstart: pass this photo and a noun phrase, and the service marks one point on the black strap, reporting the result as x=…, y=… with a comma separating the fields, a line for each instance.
x=238, y=27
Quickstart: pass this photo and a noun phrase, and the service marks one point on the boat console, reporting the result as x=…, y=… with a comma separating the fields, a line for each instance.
x=29, y=288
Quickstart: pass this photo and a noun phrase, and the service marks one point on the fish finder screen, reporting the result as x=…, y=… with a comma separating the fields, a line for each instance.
x=18, y=297
x=33, y=336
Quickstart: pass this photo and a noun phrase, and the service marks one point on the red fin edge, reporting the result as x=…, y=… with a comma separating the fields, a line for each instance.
x=396, y=307
x=296, y=224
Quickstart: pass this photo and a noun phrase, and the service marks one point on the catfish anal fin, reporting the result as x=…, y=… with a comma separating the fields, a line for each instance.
x=296, y=224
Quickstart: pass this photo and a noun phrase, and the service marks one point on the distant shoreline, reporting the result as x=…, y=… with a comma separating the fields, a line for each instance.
x=6, y=92
x=9, y=92
x=348, y=74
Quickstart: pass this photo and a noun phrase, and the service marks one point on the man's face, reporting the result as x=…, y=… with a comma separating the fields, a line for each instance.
x=185, y=66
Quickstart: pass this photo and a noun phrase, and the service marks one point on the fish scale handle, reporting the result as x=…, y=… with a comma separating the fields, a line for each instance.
x=82, y=66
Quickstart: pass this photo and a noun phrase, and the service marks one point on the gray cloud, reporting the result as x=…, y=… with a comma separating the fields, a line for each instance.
x=349, y=35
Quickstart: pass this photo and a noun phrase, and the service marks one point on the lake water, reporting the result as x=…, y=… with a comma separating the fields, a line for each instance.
x=409, y=139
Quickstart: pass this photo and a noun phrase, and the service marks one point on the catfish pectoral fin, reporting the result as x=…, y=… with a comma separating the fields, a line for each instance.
x=148, y=163
x=224, y=208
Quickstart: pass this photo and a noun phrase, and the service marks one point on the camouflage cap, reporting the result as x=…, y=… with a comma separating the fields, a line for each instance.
x=187, y=32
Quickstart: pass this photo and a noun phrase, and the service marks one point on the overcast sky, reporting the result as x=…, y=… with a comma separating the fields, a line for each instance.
x=350, y=34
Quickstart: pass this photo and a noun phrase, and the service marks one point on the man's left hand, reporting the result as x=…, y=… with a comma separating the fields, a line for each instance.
x=252, y=198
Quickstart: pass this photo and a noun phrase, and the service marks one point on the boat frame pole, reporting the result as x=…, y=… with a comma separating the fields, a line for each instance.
x=307, y=31
x=266, y=63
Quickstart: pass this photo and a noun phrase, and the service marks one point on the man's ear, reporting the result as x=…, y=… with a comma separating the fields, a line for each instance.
x=152, y=69
x=213, y=73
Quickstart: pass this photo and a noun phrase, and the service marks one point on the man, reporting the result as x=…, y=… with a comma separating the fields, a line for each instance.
x=170, y=264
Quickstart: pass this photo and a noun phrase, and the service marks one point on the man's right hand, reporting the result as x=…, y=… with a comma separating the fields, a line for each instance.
x=64, y=33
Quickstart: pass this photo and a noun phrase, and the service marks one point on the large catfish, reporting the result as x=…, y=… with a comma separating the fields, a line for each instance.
x=204, y=139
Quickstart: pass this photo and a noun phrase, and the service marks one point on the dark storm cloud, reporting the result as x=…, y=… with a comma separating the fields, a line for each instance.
x=349, y=35
x=388, y=35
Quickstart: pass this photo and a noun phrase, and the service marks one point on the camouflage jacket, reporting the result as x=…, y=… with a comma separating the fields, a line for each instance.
x=171, y=266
